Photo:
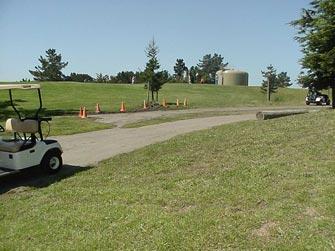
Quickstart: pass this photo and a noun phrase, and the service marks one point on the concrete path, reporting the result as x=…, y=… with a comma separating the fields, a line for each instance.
x=89, y=148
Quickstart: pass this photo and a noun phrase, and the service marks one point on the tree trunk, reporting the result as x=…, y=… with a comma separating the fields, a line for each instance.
x=333, y=95
x=277, y=114
x=152, y=96
x=148, y=96
x=268, y=90
x=157, y=96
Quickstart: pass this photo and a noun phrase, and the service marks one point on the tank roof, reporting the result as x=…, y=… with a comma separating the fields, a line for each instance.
x=234, y=71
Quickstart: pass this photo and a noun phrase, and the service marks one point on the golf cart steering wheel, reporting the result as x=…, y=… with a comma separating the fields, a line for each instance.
x=2, y=129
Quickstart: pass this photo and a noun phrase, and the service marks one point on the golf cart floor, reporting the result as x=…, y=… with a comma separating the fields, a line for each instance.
x=5, y=172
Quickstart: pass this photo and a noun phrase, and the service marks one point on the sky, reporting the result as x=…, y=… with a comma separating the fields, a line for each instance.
x=106, y=37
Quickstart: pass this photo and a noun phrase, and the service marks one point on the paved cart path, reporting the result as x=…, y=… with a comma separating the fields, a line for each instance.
x=89, y=148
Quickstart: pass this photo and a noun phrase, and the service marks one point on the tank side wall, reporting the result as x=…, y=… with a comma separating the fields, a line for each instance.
x=236, y=79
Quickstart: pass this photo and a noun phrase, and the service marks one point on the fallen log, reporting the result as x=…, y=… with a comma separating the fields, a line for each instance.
x=263, y=115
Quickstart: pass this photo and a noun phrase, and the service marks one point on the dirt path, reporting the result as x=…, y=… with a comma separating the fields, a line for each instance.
x=89, y=148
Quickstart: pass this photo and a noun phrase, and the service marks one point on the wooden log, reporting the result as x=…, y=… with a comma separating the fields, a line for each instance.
x=264, y=115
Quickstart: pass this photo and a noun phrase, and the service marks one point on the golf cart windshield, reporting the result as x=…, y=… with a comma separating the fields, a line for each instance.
x=19, y=87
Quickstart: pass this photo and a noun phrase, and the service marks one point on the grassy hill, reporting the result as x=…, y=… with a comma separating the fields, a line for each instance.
x=251, y=185
x=67, y=97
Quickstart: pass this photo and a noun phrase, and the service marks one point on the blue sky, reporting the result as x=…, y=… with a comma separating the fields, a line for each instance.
x=110, y=36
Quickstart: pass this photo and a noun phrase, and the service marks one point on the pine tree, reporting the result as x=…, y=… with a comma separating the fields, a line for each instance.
x=179, y=69
x=51, y=67
x=316, y=35
x=194, y=70
x=155, y=79
x=283, y=80
x=209, y=65
x=270, y=77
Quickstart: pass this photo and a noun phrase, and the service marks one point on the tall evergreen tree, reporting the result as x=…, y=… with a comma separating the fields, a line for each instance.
x=155, y=79
x=316, y=35
x=209, y=65
x=51, y=67
x=270, y=77
x=194, y=70
x=179, y=69
x=283, y=80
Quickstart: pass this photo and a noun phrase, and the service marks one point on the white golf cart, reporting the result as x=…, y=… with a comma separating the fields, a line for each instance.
x=27, y=147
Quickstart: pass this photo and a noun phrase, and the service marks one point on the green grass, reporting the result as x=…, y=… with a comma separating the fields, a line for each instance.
x=171, y=118
x=67, y=97
x=73, y=125
x=252, y=185
x=68, y=125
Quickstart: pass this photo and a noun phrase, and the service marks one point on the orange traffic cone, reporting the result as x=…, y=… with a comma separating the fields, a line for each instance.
x=123, y=107
x=145, y=106
x=185, y=102
x=97, y=108
x=177, y=103
x=164, y=103
x=84, y=113
x=80, y=112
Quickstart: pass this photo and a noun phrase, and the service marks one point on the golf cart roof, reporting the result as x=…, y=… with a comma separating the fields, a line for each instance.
x=19, y=86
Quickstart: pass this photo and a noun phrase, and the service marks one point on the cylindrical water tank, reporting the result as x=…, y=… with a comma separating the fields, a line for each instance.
x=219, y=77
x=235, y=77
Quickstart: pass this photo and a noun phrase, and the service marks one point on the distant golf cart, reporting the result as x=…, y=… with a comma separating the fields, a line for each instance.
x=26, y=146
x=316, y=97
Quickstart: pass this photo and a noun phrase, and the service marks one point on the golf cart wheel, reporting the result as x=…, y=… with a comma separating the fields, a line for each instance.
x=52, y=161
x=307, y=102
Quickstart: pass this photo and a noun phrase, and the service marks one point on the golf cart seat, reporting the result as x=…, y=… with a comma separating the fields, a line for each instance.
x=11, y=146
x=18, y=126
x=25, y=126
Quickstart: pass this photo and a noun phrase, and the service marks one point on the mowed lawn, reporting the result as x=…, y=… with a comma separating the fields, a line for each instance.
x=66, y=125
x=66, y=97
x=251, y=185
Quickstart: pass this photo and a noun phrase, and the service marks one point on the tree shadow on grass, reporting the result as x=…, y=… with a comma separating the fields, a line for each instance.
x=35, y=178
x=59, y=112
x=6, y=109
x=6, y=113
x=7, y=103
